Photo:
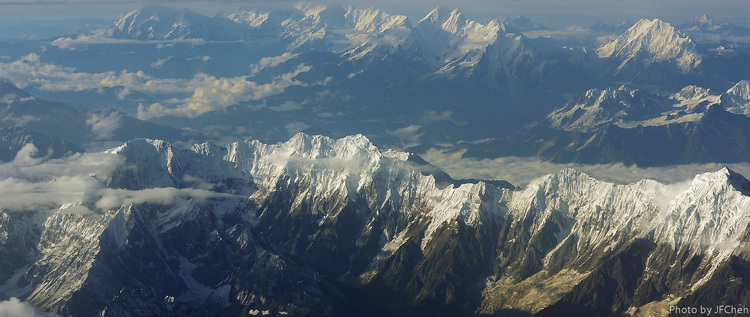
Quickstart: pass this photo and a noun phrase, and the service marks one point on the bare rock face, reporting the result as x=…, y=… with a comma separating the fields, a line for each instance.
x=317, y=226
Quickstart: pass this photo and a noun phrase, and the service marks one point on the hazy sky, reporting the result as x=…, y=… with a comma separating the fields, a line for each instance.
x=553, y=13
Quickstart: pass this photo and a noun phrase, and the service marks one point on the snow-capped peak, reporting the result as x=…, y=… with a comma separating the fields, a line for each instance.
x=141, y=145
x=341, y=29
x=724, y=180
x=712, y=215
x=448, y=20
x=522, y=23
x=158, y=164
x=741, y=89
x=154, y=22
x=692, y=92
x=300, y=155
x=703, y=19
x=701, y=25
x=737, y=98
x=597, y=215
x=252, y=18
x=653, y=41
x=448, y=39
x=313, y=188
x=316, y=146
x=612, y=105
x=694, y=99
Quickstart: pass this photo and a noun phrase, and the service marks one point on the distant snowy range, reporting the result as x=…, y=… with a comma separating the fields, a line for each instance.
x=336, y=161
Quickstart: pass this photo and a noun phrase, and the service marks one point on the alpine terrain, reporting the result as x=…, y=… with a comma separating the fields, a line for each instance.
x=318, y=226
x=328, y=160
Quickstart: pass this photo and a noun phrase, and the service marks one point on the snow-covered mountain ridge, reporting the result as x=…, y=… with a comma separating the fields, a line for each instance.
x=637, y=126
x=444, y=39
x=649, y=41
x=156, y=23
x=597, y=107
x=737, y=98
x=355, y=213
x=629, y=107
x=312, y=66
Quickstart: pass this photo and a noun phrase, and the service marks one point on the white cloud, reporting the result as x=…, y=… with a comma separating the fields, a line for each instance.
x=295, y=127
x=289, y=105
x=200, y=94
x=571, y=32
x=26, y=166
x=408, y=136
x=160, y=62
x=197, y=182
x=30, y=71
x=203, y=58
x=23, y=194
x=103, y=126
x=31, y=182
x=104, y=37
x=114, y=198
x=22, y=120
x=27, y=155
x=432, y=116
x=123, y=93
x=70, y=184
x=326, y=114
x=519, y=171
x=16, y=308
x=211, y=93
x=11, y=98
x=665, y=198
x=272, y=61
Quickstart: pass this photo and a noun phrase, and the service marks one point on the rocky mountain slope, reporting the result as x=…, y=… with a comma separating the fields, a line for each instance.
x=318, y=226
x=632, y=126
x=157, y=23
x=58, y=129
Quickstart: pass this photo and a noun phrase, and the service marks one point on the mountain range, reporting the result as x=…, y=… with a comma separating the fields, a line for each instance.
x=629, y=125
x=272, y=162
x=317, y=226
x=59, y=129
x=346, y=70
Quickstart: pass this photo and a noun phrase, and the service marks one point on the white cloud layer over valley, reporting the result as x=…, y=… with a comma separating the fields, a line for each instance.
x=195, y=96
x=77, y=184
x=519, y=171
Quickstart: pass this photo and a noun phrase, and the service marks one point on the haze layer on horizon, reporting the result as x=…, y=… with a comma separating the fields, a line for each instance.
x=552, y=13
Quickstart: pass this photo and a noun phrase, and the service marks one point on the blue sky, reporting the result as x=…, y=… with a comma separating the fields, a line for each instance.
x=553, y=13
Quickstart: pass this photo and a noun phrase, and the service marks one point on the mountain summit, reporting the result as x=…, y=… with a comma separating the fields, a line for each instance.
x=154, y=22
x=649, y=41
x=325, y=226
x=597, y=107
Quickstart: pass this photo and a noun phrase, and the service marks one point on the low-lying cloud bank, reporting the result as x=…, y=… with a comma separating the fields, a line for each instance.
x=16, y=308
x=182, y=97
x=77, y=184
x=519, y=171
